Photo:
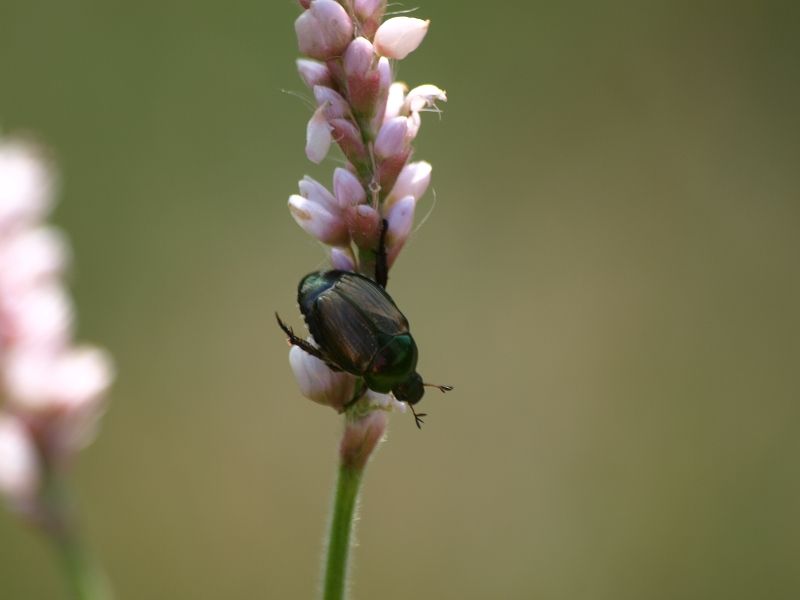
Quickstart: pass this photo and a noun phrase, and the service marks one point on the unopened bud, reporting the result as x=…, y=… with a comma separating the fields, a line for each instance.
x=369, y=9
x=342, y=258
x=364, y=223
x=363, y=79
x=318, y=221
x=316, y=192
x=361, y=437
x=31, y=256
x=401, y=220
x=332, y=101
x=350, y=141
x=318, y=136
x=400, y=36
x=394, y=138
x=347, y=189
x=324, y=30
x=395, y=101
x=412, y=181
x=25, y=185
x=313, y=72
x=319, y=383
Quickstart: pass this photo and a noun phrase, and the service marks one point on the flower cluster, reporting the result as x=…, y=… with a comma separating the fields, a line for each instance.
x=53, y=390
x=349, y=49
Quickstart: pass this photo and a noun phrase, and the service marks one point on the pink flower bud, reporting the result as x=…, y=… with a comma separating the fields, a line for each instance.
x=384, y=85
x=347, y=188
x=40, y=318
x=363, y=79
x=318, y=221
x=305, y=3
x=318, y=383
x=332, y=102
x=412, y=181
x=400, y=36
x=25, y=185
x=395, y=101
x=422, y=97
x=364, y=223
x=318, y=136
x=369, y=9
x=394, y=138
x=401, y=220
x=342, y=258
x=361, y=437
x=324, y=30
x=313, y=72
x=349, y=139
x=29, y=257
x=359, y=58
x=42, y=383
x=316, y=192
x=19, y=464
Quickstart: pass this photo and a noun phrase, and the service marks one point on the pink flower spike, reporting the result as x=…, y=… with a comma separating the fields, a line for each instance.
x=313, y=72
x=318, y=383
x=324, y=30
x=334, y=105
x=19, y=465
x=318, y=136
x=342, y=258
x=316, y=192
x=413, y=181
x=422, y=97
x=393, y=138
x=364, y=223
x=400, y=36
x=401, y=220
x=348, y=189
x=318, y=222
x=25, y=185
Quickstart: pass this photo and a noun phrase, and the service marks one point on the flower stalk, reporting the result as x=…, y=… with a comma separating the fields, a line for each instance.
x=349, y=51
x=53, y=391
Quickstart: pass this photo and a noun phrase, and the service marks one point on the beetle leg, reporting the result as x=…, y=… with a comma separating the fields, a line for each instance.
x=417, y=416
x=304, y=345
x=381, y=261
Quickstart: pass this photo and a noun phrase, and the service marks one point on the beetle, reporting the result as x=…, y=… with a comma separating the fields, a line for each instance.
x=359, y=329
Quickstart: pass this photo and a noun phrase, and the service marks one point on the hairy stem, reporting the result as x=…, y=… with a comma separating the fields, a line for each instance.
x=339, y=540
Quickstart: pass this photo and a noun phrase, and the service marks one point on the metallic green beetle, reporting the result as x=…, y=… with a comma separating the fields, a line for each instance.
x=359, y=329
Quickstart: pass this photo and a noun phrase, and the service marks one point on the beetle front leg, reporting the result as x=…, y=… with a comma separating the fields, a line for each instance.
x=304, y=345
x=381, y=260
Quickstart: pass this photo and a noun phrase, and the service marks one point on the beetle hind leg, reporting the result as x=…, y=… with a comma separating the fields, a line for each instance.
x=304, y=345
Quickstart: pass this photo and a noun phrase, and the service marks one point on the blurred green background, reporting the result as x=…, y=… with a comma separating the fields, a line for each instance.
x=609, y=278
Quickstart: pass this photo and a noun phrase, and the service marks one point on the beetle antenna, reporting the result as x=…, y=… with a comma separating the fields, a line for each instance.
x=417, y=416
x=441, y=388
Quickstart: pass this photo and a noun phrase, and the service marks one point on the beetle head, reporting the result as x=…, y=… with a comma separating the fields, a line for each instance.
x=411, y=390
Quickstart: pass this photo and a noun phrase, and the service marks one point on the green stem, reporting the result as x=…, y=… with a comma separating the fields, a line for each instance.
x=344, y=505
x=84, y=578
